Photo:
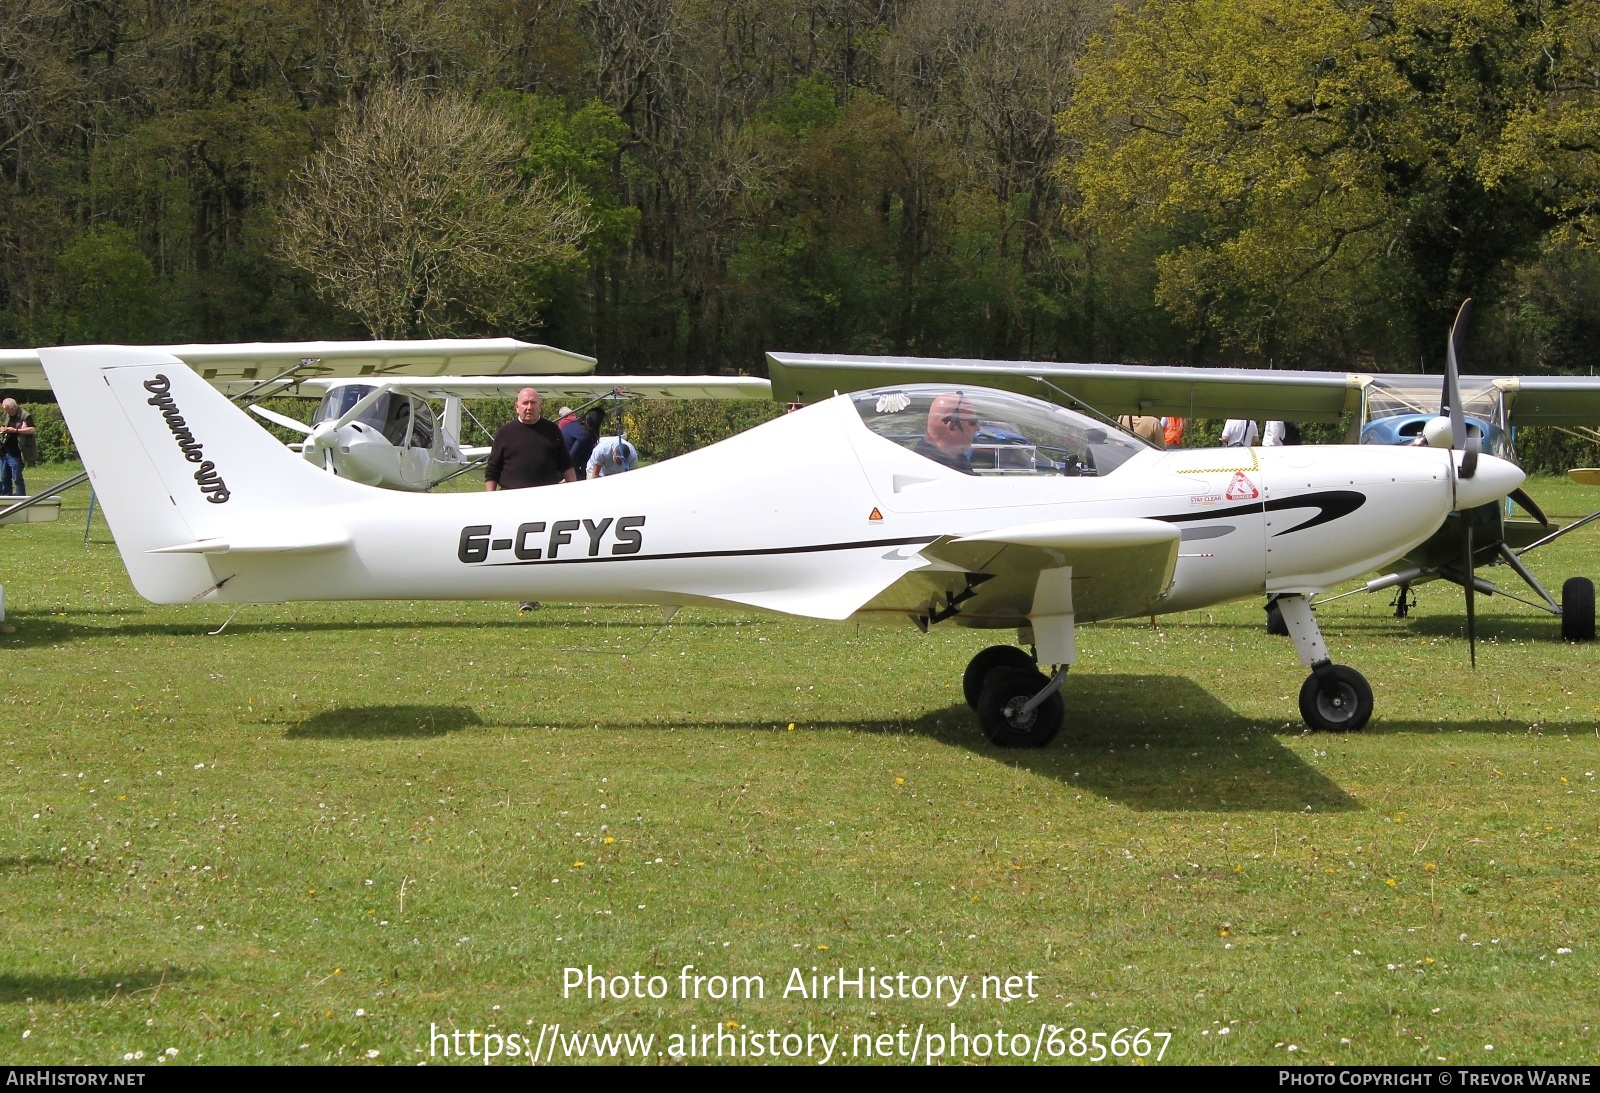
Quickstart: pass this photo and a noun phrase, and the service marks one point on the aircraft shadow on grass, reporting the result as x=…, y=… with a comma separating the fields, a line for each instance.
x=90, y=986
x=42, y=629
x=384, y=723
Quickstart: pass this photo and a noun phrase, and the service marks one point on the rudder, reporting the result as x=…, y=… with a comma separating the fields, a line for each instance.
x=172, y=461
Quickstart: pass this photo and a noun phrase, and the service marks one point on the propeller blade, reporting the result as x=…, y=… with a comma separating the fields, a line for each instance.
x=281, y=419
x=1529, y=506
x=1472, y=592
x=361, y=406
x=1450, y=402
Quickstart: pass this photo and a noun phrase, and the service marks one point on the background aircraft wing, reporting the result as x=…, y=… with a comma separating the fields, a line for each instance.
x=576, y=389
x=21, y=373
x=235, y=368
x=1109, y=388
x=1554, y=400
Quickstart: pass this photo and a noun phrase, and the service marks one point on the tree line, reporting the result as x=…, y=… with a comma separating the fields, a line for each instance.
x=680, y=185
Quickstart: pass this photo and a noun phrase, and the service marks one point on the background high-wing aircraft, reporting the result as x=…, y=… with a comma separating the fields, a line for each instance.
x=1395, y=409
x=260, y=369
x=865, y=505
x=387, y=433
x=374, y=422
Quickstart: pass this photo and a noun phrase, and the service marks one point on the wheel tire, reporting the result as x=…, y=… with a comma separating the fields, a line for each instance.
x=1006, y=690
x=1577, y=609
x=979, y=667
x=1339, y=701
x=1275, y=624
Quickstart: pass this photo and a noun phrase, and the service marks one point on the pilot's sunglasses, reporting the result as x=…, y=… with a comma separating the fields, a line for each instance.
x=958, y=419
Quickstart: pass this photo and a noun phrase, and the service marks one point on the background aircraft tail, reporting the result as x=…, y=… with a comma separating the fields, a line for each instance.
x=180, y=472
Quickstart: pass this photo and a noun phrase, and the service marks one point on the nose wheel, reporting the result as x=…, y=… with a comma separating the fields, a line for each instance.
x=1334, y=697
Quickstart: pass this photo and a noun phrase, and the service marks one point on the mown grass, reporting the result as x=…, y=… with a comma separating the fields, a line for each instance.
x=315, y=835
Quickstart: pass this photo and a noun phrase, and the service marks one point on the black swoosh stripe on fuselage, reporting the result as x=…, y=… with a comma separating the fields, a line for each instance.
x=1331, y=505
x=920, y=540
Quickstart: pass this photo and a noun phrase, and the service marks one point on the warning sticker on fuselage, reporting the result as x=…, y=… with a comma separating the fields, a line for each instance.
x=1241, y=488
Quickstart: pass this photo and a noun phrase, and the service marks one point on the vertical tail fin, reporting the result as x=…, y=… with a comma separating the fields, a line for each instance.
x=174, y=463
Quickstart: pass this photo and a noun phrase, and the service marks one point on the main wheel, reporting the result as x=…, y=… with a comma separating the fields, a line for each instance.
x=1275, y=624
x=1577, y=609
x=1000, y=704
x=979, y=667
x=1337, y=701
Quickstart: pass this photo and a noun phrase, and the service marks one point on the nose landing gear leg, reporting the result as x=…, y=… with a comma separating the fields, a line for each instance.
x=1334, y=697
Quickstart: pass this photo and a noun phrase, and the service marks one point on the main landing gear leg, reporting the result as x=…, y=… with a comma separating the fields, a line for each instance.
x=1334, y=698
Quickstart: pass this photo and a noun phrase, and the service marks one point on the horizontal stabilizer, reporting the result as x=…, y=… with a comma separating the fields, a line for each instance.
x=269, y=542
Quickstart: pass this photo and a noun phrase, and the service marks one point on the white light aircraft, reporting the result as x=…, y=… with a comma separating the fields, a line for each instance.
x=1383, y=409
x=866, y=505
x=387, y=434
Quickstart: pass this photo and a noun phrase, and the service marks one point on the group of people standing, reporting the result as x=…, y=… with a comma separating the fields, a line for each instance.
x=1242, y=433
x=530, y=451
x=1167, y=432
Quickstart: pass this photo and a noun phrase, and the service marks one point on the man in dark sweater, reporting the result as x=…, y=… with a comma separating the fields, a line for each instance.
x=528, y=451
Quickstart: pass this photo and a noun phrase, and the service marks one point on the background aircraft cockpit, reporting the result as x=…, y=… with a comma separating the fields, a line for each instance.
x=1399, y=408
x=401, y=419
x=1015, y=434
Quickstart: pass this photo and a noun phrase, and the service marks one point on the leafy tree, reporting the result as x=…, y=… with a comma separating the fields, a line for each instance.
x=418, y=219
x=1314, y=168
x=105, y=289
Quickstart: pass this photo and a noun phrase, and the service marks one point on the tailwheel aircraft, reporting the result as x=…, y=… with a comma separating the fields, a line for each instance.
x=943, y=503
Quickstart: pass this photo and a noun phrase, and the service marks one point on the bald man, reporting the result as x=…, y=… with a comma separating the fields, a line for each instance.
x=952, y=420
x=528, y=451
x=16, y=447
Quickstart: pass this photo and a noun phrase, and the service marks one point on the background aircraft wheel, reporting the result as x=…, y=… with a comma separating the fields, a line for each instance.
x=1004, y=694
x=1338, y=701
x=1577, y=609
x=979, y=667
x=1275, y=624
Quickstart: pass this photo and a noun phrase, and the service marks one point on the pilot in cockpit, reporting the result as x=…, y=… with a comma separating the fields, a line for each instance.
x=952, y=420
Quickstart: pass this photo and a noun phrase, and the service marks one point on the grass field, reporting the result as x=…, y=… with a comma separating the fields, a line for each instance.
x=333, y=828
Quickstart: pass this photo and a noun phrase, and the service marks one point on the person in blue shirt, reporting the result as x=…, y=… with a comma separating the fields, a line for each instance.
x=612, y=455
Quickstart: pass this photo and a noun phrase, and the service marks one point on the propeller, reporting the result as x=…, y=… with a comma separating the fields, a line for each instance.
x=1466, y=571
x=1450, y=403
x=1529, y=506
x=325, y=434
x=281, y=419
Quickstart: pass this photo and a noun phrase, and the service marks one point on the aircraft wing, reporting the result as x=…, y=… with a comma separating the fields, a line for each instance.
x=21, y=372
x=1114, y=568
x=1554, y=400
x=577, y=389
x=1110, y=388
x=235, y=368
